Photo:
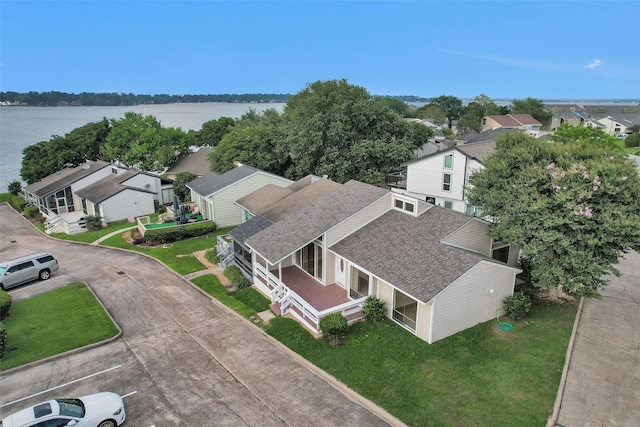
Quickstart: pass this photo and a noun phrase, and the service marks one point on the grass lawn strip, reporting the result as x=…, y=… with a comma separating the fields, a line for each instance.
x=478, y=377
x=54, y=322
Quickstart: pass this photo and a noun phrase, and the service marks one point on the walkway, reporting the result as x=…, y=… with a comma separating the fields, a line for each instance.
x=603, y=382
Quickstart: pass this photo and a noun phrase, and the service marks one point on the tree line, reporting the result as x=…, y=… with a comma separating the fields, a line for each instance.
x=54, y=98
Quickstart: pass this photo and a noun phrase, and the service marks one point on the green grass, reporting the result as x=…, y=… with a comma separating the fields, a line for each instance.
x=245, y=302
x=178, y=256
x=478, y=377
x=54, y=322
x=5, y=197
x=92, y=236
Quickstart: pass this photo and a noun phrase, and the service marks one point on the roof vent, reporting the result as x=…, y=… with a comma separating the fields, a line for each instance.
x=147, y=185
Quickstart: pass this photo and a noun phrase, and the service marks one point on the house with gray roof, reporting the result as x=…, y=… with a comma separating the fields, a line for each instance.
x=110, y=191
x=438, y=271
x=195, y=162
x=215, y=194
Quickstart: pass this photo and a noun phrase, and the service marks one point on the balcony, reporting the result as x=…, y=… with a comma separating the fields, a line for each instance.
x=397, y=180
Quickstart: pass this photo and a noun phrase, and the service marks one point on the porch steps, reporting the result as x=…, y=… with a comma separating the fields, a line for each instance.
x=275, y=307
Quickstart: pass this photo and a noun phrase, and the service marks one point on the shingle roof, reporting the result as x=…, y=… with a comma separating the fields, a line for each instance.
x=515, y=120
x=109, y=186
x=263, y=198
x=299, y=199
x=305, y=225
x=213, y=182
x=249, y=228
x=406, y=251
x=478, y=150
x=64, y=178
x=488, y=135
x=195, y=162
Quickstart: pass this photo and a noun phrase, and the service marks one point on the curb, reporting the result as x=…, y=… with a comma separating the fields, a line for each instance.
x=551, y=422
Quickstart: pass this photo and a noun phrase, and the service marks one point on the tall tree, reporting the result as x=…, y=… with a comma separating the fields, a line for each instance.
x=179, y=184
x=451, y=106
x=337, y=129
x=572, y=206
x=532, y=106
x=432, y=113
x=471, y=120
x=212, y=132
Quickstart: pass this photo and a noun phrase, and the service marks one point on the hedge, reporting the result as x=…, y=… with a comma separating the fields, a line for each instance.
x=159, y=236
x=5, y=304
x=18, y=202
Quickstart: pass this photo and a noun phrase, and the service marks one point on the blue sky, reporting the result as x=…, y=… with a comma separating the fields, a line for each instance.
x=511, y=49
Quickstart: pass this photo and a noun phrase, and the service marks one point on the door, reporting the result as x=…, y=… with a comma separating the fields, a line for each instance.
x=20, y=273
x=340, y=269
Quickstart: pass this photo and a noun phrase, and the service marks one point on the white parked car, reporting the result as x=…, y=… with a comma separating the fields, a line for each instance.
x=104, y=409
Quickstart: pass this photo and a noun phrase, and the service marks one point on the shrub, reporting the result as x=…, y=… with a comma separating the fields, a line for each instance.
x=30, y=211
x=632, y=140
x=334, y=328
x=162, y=209
x=517, y=305
x=14, y=187
x=374, y=309
x=18, y=203
x=3, y=339
x=5, y=304
x=212, y=256
x=236, y=277
x=159, y=236
x=94, y=222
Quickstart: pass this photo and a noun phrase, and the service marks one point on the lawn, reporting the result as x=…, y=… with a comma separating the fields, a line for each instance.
x=179, y=255
x=54, y=322
x=478, y=377
x=92, y=236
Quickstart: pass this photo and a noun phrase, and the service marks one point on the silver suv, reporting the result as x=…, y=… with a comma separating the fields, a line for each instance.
x=27, y=268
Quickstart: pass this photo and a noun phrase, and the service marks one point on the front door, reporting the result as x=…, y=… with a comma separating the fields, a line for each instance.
x=340, y=269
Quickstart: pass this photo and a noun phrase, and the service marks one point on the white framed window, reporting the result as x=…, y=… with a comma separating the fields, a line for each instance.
x=448, y=161
x=404, y=205
x=446, y=182
x=448, y=204
x=405, y=310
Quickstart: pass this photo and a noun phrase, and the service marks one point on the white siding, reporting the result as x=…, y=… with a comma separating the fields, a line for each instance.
x=90, y=179
x=226, y=212
x=473, y=236
x=426, y=177
x=127, y=203
x=385, y=293
x=358, y=220
x=423, y=325
x=472, y=299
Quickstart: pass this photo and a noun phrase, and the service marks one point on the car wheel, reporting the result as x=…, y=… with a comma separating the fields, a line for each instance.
x=107, y=423
x=1, y=286
x=45, y=274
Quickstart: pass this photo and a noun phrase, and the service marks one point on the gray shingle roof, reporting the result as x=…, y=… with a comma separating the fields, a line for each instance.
x=299, y=199
x=406, y=252
x=213, y=182
x=263, y=198
x=109, y=186
x=249, y=228
x=478, y=150
x=488, y=135
x=64, y=178
x=305, y=225
x=195, y=162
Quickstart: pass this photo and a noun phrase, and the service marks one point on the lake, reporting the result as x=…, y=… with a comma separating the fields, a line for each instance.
x=24, y=126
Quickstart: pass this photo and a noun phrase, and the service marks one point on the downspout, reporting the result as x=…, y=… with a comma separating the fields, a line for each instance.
x=433, y=312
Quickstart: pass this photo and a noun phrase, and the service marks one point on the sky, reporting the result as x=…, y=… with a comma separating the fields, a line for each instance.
x=503, y=49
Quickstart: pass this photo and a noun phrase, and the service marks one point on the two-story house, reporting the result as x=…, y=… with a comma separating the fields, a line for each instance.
x=523, y=122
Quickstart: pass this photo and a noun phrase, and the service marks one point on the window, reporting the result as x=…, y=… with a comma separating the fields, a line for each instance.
x=431, y=200
x=448, y=204
x=309, y=259
x=404, y=205
x=446, y=182
x=45, y=258
x=84, y=206
x=448, y=161
x=359, y=284
x=405, y=310
x=501, y=253
x=472, y=210
x=114, y=170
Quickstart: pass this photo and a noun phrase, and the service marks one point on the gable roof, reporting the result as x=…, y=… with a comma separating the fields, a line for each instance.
x=515, y=120
x=195, y=162
x=249, y=228
x=408, y=252
x=476, y=151
x=487, y=135
x=109, y=186
x=213, y=182
x=306, y=224
x=64, y=178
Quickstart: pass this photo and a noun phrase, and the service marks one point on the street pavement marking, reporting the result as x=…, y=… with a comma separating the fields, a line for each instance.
x=129, y=394
x=60, y=386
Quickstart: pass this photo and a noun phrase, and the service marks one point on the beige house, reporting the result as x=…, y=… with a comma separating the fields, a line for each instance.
x=437, y=270
x=215, y=194
x=524, y=122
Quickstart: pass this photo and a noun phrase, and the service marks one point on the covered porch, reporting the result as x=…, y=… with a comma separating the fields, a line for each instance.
x=293, y=291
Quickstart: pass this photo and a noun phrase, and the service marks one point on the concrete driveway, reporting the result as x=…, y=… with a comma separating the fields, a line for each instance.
x=182, y=359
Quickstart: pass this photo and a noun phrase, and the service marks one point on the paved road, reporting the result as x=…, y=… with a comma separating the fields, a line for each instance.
x=186, y=359
x=603, y=381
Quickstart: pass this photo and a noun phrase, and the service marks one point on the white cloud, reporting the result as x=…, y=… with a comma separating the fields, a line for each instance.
x=594, y=64
x=506, y=60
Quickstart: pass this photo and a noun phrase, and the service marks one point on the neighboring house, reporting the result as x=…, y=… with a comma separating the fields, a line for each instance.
x=215, y=194
x=96, y=188
x=441, y=178
x=195, y=162
x=610, y=125
x=524, y=122
x=432, y=266
x=625, y=115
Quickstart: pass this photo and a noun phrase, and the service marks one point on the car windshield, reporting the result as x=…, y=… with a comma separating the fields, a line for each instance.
x=71, y=407
x=2, y=270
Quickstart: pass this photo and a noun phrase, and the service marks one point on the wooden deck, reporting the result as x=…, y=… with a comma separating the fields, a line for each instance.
x=320, y=297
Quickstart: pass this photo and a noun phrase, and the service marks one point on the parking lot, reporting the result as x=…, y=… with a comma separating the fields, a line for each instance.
x=182, y=359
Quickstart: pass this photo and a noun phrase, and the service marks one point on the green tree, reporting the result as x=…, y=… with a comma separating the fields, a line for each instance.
x=337, y=129
x=143, y=143
x=632, y=140
x=432, y=113
x=451, y=106
x=471, y=120
x=572, y=206
x=213, y=131
x=179, y=184
x=14, y=187
x=532, y=106
x=396, y=105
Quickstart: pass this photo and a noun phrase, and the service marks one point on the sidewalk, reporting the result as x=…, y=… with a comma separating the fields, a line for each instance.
x=115, y=233
x=211, y=269
x=603, y=381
